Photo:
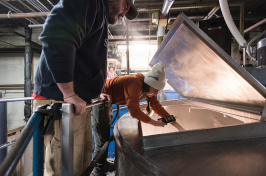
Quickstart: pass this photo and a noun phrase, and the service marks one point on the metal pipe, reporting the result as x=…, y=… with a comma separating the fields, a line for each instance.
x=41, y=6
x=166, y=6
x=29, y=8
x=94, y=103
x=253, y=57
x=211, y=13
x=244, y=57
x=230, y=23
x=3, y=128
x=36, y=5
x=9, y=6
x=182, y=7
x=127, y=52
x=35, y=25
x=255, y=25
x=15, y=99
x=38, y=151
x=98, y=157
x=7, y=145
x=27, y=71
x=14, y=155
x=24, y=15
x=160, y=35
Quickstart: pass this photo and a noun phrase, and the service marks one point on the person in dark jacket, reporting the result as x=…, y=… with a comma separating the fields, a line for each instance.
x=72, y=69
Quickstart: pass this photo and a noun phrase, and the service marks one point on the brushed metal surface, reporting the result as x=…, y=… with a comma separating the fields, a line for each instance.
x=196, y=67
x=243, y=157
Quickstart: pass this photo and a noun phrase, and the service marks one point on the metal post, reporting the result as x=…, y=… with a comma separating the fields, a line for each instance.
x=67, y=139
x=244, y=57
x=28, y=71
x=14, y=155
x=38, y=151
x=3, y=128
x=160, y=35
x=127, y=41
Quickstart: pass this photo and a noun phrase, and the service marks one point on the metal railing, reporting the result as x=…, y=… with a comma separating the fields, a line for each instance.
x=3, y=120
x=33, y=129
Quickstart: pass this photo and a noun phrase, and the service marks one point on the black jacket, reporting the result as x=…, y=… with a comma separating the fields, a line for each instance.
x=75, y=39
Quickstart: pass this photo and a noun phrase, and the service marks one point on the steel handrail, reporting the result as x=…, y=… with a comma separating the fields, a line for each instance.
x=15, y=99
x=14, y=155
x=94, y=103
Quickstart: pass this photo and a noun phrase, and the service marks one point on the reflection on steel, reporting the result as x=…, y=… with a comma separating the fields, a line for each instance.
x=212, y=144
x=196, y=67
x=247, y=131
x=67, y=139
x=94, y=103
x=198, y=116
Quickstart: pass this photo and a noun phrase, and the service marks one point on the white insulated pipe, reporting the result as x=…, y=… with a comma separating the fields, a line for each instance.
x=230, y=23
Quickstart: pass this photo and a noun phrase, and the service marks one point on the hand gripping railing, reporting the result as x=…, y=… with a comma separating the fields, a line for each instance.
x=34, y=128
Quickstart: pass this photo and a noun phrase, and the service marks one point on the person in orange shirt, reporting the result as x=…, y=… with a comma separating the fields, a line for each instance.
x=129, y=90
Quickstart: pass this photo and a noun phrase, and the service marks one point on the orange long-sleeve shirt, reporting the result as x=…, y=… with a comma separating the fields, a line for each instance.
x=128, y=90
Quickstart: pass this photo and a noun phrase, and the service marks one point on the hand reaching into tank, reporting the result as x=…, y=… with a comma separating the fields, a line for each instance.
x=80, y=105
x=158, y=123
x=106, y=97
x=178, y=126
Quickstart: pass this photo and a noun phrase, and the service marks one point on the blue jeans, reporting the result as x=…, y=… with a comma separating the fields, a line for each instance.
x=101, y=122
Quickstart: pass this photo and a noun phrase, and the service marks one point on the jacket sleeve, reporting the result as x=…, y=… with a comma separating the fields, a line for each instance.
x=68, y=23
x=132, y=92
x=158, y=108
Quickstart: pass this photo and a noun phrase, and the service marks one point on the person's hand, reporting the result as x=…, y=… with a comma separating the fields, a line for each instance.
x=80, y=105
x=158, y=123
x=176, y=125
x=106, y=97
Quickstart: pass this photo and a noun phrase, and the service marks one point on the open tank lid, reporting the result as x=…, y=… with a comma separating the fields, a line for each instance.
x=197, y=68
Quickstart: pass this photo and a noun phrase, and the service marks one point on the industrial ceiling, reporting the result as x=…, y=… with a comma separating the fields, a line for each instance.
x=143, y=27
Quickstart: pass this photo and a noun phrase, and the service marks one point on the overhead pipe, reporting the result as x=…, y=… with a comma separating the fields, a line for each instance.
x=250, y=42
x=163, y=20
x=166, y=6
x=230, y=23
x=255, y=25
x=24, y=15
x=9, y=6
x=182, y=7
x=50, y=3
x=211, y=13
x=27, y=7
x=38, y=5
x=35, y=5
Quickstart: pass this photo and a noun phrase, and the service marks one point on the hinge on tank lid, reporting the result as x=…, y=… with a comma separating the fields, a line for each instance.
x=263, y=115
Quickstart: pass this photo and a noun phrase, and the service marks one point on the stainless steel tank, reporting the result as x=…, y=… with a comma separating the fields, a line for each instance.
x=223, y=113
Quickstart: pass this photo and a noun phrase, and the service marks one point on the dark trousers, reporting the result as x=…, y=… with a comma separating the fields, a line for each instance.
x=101, y=122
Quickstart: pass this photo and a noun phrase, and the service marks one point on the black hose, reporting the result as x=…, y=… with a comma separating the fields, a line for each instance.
x=97, y=157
